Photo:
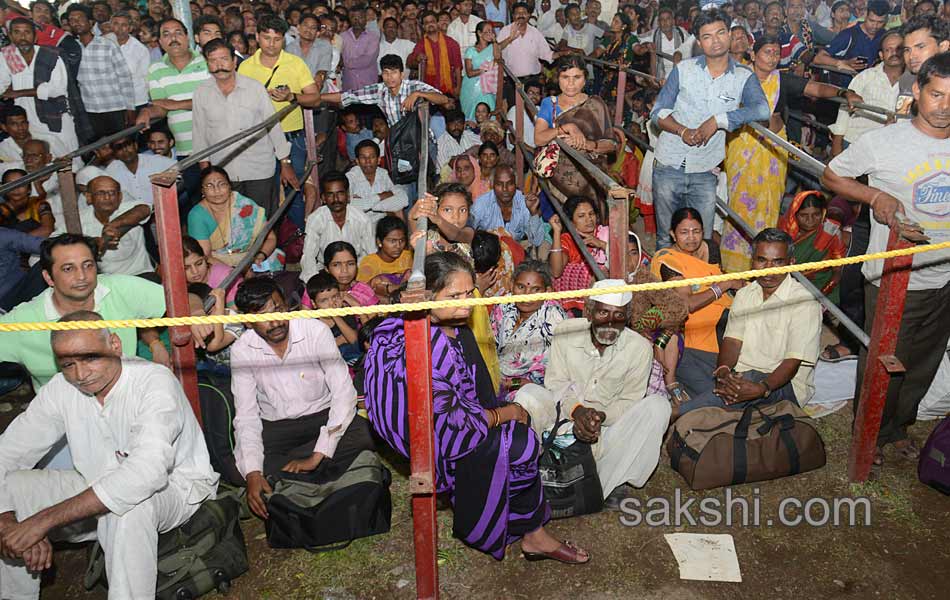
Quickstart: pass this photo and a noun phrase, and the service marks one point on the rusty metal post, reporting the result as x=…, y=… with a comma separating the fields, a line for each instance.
x=67, y=194
x=519, y=137
x=172, y=267
x=621, y=89
x=310, y=133
x=881, y=362
x=618, y=207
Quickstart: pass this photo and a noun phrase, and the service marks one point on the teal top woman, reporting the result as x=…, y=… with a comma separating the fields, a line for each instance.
x=479, y=58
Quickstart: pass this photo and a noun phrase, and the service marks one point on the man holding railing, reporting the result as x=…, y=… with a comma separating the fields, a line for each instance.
x=702, y=98
x=908, y=169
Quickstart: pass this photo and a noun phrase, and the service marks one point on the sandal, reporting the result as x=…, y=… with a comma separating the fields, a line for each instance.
x=832, y=355
x=909, y=451
x=567, y=553
x=878, y=460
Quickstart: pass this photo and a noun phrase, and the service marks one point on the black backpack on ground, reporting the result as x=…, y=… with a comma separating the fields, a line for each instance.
x=217, y=421
x=328, y=516
x=202, y=555
x=569, y=476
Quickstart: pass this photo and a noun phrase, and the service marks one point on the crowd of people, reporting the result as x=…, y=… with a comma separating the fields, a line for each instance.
x=310, y=395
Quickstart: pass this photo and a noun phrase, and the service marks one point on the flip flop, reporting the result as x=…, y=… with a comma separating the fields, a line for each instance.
x=909, y=452
x=567, y=553
x=833, y=356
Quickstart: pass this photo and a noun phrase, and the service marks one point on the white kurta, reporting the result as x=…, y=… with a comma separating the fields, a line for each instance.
x=131, y=257
x=55, y=87
x=142, y=453
x=365, y=196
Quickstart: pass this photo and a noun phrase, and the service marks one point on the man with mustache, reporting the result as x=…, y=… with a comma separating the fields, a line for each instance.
x=770, y=347
x=295, y=404
x=908, y=169
x=230, y=102
x=141, y=465
x=598, y=369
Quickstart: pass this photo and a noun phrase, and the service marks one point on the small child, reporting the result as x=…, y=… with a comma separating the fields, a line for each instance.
x=324, y=292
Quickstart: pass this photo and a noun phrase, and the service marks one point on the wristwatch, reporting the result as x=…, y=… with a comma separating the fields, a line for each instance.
x=285, y=161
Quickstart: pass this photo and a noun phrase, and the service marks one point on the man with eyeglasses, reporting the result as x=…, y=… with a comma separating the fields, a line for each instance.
x=113, y=220
x=294, y=400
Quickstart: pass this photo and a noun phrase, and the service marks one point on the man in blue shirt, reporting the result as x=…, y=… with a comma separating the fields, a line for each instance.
x=702, y=98
x=505, y=206
x=856, y=48
x=16, y=285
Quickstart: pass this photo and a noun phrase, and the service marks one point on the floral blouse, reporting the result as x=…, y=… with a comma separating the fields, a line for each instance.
x=523, y=350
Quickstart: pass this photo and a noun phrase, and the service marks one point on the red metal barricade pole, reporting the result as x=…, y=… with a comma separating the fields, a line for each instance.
x=618, y=207
x=881, y=362
x=621, y=88
x=172, y=268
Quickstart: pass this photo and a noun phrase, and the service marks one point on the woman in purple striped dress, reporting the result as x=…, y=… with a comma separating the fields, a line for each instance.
x=486, y=455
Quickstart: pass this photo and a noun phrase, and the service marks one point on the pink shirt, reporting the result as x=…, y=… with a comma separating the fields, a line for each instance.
x=311, y=377
x=523, y=55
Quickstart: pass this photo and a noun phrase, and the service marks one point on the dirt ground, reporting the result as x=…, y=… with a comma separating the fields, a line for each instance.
x=903, y=553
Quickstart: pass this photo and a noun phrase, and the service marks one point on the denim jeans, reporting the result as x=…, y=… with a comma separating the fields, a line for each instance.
x=786, y=392
x=673, y=189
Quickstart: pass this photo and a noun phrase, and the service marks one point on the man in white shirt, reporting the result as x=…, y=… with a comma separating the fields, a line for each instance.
x=879, y=85
x=598, y=369
x=115, y=220
x=371, y=189
x=462, y=29
x=390, y=44
x=132, y=169
x=141, y=465
x=35, y=77
x=669, y=38
x=456, y=139
x=135, y=53
x=532, y=87
x=335, y=220
x=579, y=36
x=294, y=400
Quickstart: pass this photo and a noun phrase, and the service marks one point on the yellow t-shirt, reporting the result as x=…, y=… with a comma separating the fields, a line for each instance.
x=289, y=70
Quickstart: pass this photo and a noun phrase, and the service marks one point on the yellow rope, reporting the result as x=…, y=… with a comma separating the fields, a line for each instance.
x=419, y=306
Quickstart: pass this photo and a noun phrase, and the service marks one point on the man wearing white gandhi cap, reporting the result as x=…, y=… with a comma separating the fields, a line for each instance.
x=599, y=369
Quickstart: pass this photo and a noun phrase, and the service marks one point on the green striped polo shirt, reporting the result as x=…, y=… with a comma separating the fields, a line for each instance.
x=165, y=81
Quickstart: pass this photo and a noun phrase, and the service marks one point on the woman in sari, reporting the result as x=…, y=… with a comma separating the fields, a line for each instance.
x=755, y=167
x=466, y=170
x=478, y=59
x=570, y=270
x=816, y=238
x=226, y=223
x=621, y=46
x=524, y=331
x=582, y=121
x=691, y=256
x=486, y=456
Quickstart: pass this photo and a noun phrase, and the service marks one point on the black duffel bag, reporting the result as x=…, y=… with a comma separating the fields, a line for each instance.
x=328, y=516
x=569, y=476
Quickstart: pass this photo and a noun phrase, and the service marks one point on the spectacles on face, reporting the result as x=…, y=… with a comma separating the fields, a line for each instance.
x=106, y=194
x=221, y=185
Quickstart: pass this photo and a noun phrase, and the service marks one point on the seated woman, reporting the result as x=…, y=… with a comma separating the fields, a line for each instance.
x=226, y=223
x=488, y=159
x=340, y=259
x=524, y=331
x=816, y=238
x=486, y=456
x=466, y=170
x=198, y=269
x=580, y=120
x=388, y=268
x=691, y=256
x=24, y=212
x=570, y=270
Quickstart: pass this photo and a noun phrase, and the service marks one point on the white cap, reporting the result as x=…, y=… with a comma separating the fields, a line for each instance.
x=87, y=174
x=615, y=298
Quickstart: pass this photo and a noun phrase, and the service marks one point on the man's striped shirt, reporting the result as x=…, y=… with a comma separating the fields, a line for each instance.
x=165, y=81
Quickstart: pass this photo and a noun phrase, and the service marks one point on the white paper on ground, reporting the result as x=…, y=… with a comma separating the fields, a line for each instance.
x=834, y=386
x=705, y=557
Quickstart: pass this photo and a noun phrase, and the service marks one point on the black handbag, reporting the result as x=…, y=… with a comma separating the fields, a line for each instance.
x=569, y=476
x=320, y=517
